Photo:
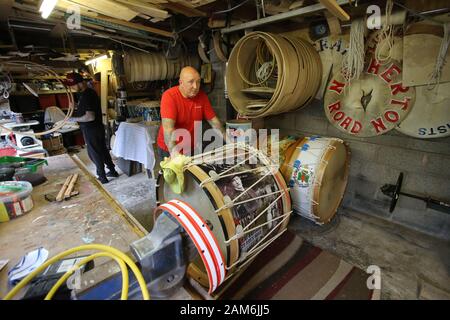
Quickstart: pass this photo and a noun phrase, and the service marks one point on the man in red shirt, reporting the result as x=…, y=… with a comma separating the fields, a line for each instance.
x=181, y=107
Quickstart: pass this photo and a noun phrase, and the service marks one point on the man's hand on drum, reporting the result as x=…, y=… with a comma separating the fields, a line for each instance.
x=174, y=153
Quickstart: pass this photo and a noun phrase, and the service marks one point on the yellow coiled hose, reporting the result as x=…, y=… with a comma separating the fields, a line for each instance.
x=107, y=251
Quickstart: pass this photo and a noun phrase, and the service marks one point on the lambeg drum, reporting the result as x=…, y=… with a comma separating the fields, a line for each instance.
x=238, y=130
x=316, y=170
x=235, y=196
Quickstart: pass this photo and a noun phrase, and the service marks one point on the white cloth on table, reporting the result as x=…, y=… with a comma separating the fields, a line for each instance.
x=134, y=141
x=55, y=114
x=29, y=262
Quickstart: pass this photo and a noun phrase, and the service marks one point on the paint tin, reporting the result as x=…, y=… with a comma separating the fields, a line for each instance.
x=15, y=199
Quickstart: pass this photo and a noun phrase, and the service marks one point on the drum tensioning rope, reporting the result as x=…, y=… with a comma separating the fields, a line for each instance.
x=393, y=191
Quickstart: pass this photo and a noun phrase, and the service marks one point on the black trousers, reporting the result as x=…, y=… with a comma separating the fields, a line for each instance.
x=97, y=150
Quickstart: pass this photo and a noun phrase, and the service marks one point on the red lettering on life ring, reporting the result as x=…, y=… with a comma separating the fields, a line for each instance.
x=391, y=116
x=386, y=75
x=374, y=66
x=346, y=122
x=338, y=115
x=404, y=103
x=397, y=87
x=356, y=127
x=377, y=124
x=337, y=86
x=334, y=106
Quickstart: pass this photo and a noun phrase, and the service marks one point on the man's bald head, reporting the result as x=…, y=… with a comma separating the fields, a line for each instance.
x=189, y=82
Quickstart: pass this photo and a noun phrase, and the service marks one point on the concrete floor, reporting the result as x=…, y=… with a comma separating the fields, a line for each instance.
x=413, y=265
x=136, y=193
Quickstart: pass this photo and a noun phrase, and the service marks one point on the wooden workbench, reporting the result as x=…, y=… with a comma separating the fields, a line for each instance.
x=93, y=215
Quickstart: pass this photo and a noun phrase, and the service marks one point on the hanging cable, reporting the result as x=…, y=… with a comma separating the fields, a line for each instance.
x=45, y=70
x=189, y=26
x=353, y=61
x=435, y=76
x=386, y=39
x=231, y=9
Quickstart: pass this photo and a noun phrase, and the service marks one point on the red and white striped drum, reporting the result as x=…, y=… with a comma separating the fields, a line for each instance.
x=316, y=169
x=243, y=200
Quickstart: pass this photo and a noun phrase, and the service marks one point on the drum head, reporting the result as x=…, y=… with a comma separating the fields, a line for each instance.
x=333, y=181
x=202, y=201
x=430, y=117
x=266, y=191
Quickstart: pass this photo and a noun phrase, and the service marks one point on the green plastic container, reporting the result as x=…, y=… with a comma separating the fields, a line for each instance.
x=19, y=162
x=26, y=169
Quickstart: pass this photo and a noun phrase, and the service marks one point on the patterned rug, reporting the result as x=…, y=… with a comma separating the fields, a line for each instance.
x=291, y=268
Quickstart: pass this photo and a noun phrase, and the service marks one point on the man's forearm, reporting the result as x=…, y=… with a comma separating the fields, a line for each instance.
x=170, y=143
x=168, y=128
x=217, y=125
x=87, y=117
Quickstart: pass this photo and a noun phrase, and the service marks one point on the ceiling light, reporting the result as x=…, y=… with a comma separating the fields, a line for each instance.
x=47, y=7
x=96, y=59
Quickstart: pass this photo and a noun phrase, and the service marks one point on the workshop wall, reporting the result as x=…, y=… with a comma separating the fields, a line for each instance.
x=378, y=160
x=217, y=95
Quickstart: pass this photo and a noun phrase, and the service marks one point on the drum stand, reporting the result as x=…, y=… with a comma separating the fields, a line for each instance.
x=394, y=192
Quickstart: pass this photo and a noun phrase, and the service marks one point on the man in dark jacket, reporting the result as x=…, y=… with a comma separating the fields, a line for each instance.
x=89, y=117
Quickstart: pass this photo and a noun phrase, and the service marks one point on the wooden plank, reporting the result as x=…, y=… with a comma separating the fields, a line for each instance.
x=58, y=226
x=109, y=21
x=61, y=192
x=184, y=10
x=69, y=190
x=107, y=8
x=146, y=8
x=333, y=23
x=335, y=9
x=155, y=1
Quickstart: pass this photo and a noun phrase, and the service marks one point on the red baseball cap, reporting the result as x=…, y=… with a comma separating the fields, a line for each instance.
x=73, y=78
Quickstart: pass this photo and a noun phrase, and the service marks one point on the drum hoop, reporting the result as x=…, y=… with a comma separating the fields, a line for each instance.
x=285, y=169
x=320, y=173
x=228, y=227
x=296, y=147
x=225, y=215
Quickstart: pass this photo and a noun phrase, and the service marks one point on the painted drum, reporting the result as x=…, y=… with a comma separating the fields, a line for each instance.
x=430, y=117
x=241, y=196
x=239, y=130
x=317, y=173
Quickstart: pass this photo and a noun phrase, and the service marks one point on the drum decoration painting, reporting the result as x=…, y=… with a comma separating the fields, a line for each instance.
x=249, y=201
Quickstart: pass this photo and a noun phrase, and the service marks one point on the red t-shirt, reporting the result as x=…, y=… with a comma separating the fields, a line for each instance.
x=184, y=111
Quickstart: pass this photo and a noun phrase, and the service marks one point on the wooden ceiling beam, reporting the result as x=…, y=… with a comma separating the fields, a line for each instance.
x=146, y=8
x=184, y=10
x=107, y=8
x=132, y=25
x=335, y=9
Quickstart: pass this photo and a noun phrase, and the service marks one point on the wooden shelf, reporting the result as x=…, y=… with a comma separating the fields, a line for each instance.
x=26, y=93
